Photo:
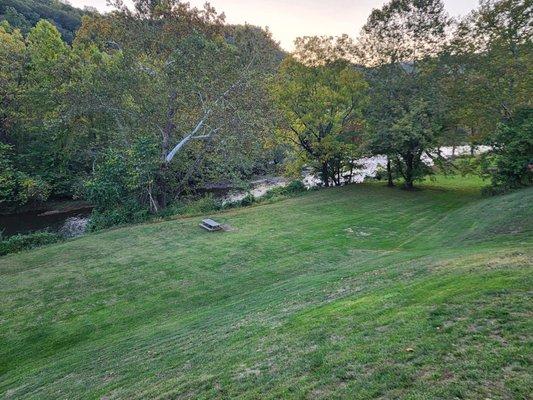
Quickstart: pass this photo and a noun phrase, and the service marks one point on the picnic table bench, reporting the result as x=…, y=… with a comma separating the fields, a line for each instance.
x=210, y=225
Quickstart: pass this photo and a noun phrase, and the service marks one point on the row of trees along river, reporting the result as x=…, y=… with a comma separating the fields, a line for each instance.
x=146, y=106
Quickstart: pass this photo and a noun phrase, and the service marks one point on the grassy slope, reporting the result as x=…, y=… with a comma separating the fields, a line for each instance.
x=357, y=292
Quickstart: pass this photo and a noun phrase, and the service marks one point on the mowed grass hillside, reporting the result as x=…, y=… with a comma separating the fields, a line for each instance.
x=358, y=292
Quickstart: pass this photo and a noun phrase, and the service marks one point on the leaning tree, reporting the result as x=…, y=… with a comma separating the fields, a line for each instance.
x=195, y=86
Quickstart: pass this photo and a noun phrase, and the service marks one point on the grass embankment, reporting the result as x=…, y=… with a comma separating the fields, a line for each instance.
x=357, y=292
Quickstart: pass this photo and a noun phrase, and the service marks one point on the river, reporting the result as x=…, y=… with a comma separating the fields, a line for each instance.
x=32, y=221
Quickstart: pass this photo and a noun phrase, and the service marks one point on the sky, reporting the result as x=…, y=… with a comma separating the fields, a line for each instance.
x=288, y=19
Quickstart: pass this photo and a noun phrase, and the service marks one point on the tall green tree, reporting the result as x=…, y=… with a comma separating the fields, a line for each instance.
x=512, y=154
x=489, y=61
x=12, y=61
x=398, y=45
x=33, y=73
x=42, y=135
x=190, y=83
x=321, y=96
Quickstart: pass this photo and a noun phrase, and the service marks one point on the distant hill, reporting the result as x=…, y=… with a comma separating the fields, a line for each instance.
x=24, y=14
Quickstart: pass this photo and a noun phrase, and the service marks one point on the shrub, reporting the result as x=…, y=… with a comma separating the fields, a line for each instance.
x=248, y=200
x=291, y=189
x=129, y=213
x=295, y=187
x=16, y=187
x=469, y=165
x=512, y=155
x=32, y=189
x=17, y=243
x=193, y=206
x=132, y=212
x=124, y=179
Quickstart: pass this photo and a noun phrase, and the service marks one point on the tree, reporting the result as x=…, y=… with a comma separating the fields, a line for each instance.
x=121, y=183
x=489, y=66
x=33, y=74
x=398, y=46
x=25, y=14
x=12, y=55
x=16, y=187
x=512, y=155
x=41, y=135
x=320, y=96
x=16, y=19
x=190, y=82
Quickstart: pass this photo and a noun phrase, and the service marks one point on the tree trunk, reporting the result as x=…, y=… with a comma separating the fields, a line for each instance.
x=169, y=124
x=409, y=161
x=161, y=185
x=350, y=177
x=390, y=182
x=325, y=174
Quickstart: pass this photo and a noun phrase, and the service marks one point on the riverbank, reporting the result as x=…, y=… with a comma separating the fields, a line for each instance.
x=53, y=215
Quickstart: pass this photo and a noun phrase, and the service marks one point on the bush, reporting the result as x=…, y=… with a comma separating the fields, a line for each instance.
x=16, y=187
x=17, y=243
x=123, y=180
x=128, y=214
x=134, y=213
x=512, y=155
x=291, y=189
x=248, y=200
x=494, y=190
x=204, y=204
x=469, y=165
x=33, y=189
x=295, y=187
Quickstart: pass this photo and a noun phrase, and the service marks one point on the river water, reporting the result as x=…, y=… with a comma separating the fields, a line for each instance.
x=33, y=221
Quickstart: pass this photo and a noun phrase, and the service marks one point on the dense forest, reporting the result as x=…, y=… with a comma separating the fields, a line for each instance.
x=135, y=109
x=24, y=14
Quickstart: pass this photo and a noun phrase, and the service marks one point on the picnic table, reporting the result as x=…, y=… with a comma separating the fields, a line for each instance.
x=210, y=225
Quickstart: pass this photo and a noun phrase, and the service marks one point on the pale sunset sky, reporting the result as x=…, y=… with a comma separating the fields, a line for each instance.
x=288, y=19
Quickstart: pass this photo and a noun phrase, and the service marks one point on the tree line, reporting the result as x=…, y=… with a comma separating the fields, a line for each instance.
x=25, y=14
x=413, y=81
x=150, y=104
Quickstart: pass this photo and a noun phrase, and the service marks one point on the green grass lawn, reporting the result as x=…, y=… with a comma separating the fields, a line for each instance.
x=358, y=292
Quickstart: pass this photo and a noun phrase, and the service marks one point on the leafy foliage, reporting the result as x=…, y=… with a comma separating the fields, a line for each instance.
x=321, y=99
x=489, y=81
x=512, y=154
x=196, y=90
x=17, y=243
x=151, y=103
x=124, y=179
x=24, y=14
x=292, y=189
x=489, y=66
x=398, y=45
x=68, y=109
x=16, y=187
